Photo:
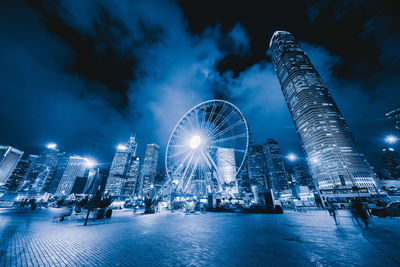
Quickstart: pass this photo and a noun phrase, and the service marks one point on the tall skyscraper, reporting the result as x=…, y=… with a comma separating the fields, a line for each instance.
x=17, y=175
x=118, y=170
x=53, y=180
x=148, y=170
x=41, y=172
x=9, y=158
x=257, y=168
x=131, y=178
x=76, y=167
x=301, y=176
x=276, y=169
x=392, y=162
x=124, y=170
x=332, y=154
x=394, y=116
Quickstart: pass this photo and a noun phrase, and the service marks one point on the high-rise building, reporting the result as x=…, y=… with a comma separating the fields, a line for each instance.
x=394, y=116
x=131, y=178
x=257, y=168
x=333, y=157
x=41, y=172
x=119, y=167
x=17, y=175
x=148, y=170
x=76, y=167
x=97, y=180
x=301, y=176
x=122, y=171
x=276, y=169
x=9, y=158
x=392, y=162
x=53, y=180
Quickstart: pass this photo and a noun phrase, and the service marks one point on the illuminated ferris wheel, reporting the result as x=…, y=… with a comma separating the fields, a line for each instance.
x=207, y=149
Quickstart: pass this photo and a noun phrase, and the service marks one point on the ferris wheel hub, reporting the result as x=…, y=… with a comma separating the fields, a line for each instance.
x=195, y=141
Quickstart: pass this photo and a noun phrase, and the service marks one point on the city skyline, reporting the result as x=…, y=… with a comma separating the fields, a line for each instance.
x=87, y=98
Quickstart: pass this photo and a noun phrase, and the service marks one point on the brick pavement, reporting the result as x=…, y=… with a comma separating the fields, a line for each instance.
x=212, y=239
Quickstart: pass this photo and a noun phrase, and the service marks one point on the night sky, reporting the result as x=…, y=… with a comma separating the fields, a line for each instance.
x=85, y=74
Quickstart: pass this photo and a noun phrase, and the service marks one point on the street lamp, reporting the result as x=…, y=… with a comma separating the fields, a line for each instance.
x=51, y=145
x=90, y=163
x=391, y=139
x=291, y=157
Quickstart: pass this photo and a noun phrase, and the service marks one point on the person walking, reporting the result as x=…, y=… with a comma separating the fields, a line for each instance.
x=332, y=211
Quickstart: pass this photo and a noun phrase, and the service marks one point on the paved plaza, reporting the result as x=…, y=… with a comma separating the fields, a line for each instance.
x=29, y=238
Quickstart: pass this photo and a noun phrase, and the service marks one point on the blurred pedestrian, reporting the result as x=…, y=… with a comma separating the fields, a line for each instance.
x=332, y=211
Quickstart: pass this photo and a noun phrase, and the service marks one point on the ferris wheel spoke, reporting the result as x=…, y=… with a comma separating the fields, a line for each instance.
x=178, y=164
x=231, y=127
x=230, y=115
x=218, y=116
x=191, y=175
x=228, y=138
x=178, y=153
x=187, y=166
x=203, y=121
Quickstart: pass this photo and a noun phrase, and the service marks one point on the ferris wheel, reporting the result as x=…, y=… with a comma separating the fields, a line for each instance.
x=207, y=148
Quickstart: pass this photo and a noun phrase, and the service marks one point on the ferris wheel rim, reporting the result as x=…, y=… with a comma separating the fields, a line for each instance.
x=194, y=108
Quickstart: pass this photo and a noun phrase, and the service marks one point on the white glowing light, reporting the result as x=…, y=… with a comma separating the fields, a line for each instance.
x=391, y=139
x=90, y=163
x=122, y=147
x=291, y=157
x=51, y=146
x=195, y=142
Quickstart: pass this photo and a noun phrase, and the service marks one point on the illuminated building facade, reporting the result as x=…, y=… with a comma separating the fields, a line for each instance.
x=148, y=171
x=256, y=165
x=76, y=167
x=9, y=158
x=276, y=169
x=394, y=117
x=131, y=178
x=42, y=172
x=392, y=162
x=17, y=175
x=122, y=172
x=332, y=154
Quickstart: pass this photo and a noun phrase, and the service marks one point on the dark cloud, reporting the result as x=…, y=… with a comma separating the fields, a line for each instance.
x=85, y=74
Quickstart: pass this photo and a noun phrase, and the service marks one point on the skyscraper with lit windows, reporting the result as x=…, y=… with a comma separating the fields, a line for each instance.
x=9, y=158
x=394, y=116
x=148, y=170
x=277, y=175
x=76, y=167
x=124, y=170
x=332, y=154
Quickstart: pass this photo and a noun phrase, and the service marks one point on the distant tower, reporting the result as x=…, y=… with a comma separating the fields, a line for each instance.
x=276, y=169
x=119, y=168
x=132, y=145
x=392, y=162
x=256, y=164
x=124, y=170
x=148, y=170
x=332, y=155
x=76, y=167
x=394, y=116
x=131, y=178
x=41, y=172
x=9, y=158
x=17, y=175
